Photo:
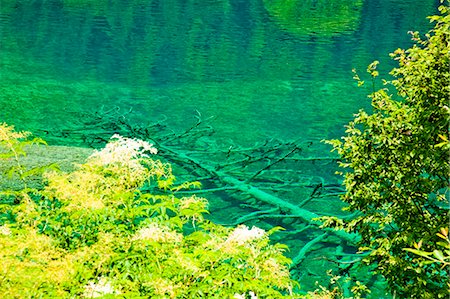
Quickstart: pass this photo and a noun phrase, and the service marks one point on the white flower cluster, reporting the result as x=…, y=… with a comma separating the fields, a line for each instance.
x=4, y=230
x=242, y=234
x=99, y=289
x=122, y=150
x=242, y=296
x=158, y=233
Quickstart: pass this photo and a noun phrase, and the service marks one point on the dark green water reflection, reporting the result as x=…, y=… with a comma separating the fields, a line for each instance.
x=262, y=68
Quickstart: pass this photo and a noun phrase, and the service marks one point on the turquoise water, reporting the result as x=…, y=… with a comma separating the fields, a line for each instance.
x=260, y=69
x=249, y=64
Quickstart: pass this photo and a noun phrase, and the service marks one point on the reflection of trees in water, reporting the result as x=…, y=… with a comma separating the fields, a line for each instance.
x=154, y=42
x=223, y=58
x=315, y=18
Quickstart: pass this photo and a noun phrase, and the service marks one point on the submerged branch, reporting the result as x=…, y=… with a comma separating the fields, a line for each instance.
x=245, y=160
x=305, y=250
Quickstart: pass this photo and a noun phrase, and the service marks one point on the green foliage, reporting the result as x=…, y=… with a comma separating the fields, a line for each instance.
x=114, y=228
x=12, y=146
x=440, y=256
x=339, y=287
x=398, y=169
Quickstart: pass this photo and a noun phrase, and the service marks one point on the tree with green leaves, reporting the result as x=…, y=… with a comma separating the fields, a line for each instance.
x=396, y=168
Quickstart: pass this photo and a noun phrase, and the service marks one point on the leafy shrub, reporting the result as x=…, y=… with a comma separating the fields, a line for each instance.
x=114, y=227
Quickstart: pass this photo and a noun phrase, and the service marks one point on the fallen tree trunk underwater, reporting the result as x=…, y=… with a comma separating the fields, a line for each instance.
x=305, y=215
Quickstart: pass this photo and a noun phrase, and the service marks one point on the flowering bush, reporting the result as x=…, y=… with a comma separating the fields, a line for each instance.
x=113, y=228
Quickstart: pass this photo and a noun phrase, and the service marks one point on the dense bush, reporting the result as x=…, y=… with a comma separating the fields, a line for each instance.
x=397, y=162
x=114, y=227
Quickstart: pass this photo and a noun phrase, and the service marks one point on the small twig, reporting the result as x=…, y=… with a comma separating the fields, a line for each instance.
x=329, y=194
x=205, y=190
x=305, y=201
x=271, y=164
x=313, y=159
